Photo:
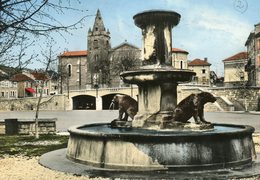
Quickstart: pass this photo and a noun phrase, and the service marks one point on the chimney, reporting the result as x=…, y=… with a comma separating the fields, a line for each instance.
x=206, y=59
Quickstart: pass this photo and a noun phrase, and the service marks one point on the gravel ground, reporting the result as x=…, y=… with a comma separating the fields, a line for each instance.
x=24, y=168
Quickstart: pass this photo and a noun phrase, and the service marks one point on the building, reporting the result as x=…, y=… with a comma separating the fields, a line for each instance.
x=234, y=70
x=8, y=88
x=31, y=84
x=202, y=70
x=97, y=66
x=179, y=58
x=253, y=63
x=123, y=57
x=73, y=70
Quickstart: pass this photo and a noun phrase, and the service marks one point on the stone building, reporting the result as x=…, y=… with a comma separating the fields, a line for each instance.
x=8, y=88
x=98, y=43
x=253, y=63
x=123, y=57
x=96, y=67
x=234, y=70
x=179, y=58
x=202, y=70
x=73, y=70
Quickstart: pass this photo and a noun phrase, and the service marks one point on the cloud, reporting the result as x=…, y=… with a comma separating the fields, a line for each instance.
x=213, y=20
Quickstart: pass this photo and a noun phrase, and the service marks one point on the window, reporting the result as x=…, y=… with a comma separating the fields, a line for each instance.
x=258, y=41
x=241, y=74
x=69, y=70
x=258, y=60
x=181, y=64
x=203, y=71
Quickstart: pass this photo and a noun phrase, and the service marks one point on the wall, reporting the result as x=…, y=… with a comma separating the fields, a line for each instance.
x=57, y=102
x=238, y=96
x=177, y=57
x=202, y=78
x=27, y=126
x=233, y=72
x=63, y=102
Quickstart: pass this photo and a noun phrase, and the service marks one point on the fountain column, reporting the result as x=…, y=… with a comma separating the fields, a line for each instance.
x=157, y=80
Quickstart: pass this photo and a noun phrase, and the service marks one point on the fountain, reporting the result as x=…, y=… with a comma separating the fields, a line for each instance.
x=152, y=142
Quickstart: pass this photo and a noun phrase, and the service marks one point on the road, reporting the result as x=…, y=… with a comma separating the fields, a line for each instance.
x=67, y=119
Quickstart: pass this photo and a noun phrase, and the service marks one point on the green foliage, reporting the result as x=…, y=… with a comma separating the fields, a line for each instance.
x=29, y=146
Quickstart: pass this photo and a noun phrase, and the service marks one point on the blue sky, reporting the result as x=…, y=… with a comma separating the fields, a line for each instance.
x=215, y=29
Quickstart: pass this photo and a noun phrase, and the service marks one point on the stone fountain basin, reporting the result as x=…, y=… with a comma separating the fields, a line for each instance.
x=157, y=75
x=99, y=145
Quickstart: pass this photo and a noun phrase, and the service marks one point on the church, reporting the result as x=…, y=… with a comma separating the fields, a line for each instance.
x=100, y=65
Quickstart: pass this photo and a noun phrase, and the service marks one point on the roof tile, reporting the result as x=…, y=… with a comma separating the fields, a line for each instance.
x=179, y=50
x=74, y=53
x=238, y=56
x=199, y=62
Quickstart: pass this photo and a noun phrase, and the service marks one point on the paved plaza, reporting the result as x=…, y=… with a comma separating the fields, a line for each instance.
x=67, y=119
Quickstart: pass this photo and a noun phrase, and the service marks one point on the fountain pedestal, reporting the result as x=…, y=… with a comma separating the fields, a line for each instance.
x=157, y=80
x=157, y=96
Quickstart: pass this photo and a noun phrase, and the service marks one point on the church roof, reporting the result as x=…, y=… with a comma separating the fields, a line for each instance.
x=179, y=50
x=98, y=24
x=125, y=44
x=238, y=56
x=199, y=62
x=74, y=53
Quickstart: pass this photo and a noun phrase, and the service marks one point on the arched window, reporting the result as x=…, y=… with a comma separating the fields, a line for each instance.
x=181, y=64
x=69, y=69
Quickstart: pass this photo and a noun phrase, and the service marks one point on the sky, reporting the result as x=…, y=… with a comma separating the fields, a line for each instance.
x=216, y=29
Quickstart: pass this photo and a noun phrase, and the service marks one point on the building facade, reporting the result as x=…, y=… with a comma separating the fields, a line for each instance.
x=234, y=70
x=179, y=58
x=8, y=88
x=253, y=62
x=32, y=84
x=97, y=67
x=202, y=70
x=72, y=70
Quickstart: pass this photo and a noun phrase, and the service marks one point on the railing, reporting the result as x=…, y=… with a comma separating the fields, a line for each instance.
x=104, y=89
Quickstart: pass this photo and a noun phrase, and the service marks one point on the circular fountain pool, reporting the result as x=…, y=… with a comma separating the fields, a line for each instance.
x=138, y=149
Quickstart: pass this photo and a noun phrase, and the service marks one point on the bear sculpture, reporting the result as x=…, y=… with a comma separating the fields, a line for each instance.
x=193, y=106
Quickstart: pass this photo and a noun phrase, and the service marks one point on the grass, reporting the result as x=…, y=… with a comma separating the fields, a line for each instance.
x=29, y=146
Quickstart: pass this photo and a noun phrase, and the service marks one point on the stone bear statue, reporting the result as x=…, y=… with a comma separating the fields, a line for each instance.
x=193, y=106
x=127, y=106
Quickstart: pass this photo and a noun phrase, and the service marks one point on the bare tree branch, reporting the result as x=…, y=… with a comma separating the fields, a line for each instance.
x=32, y=18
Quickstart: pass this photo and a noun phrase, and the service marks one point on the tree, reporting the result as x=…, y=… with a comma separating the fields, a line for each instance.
x=49, y=56
x=98, y=67
x=124, y=61
x=27, y=18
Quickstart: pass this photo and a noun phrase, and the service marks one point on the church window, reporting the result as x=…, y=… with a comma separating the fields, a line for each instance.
x=203, y=71
x=69, y=70
x=96, y=28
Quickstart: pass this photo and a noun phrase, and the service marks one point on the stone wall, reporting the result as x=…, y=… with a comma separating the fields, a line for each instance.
x=238, y=96
x=56, y=102
x=27, y=126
